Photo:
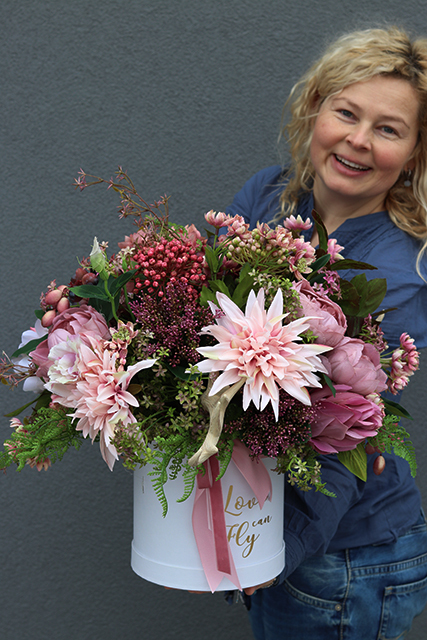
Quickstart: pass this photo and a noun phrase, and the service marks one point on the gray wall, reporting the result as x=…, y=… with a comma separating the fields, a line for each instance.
x=186, y=95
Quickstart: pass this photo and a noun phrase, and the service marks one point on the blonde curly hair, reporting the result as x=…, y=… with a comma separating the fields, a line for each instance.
x=357, y=57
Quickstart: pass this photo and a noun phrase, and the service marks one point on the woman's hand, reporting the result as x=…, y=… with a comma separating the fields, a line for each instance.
x=251, y=590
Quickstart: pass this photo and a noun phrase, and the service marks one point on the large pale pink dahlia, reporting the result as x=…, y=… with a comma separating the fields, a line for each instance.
x=256, y=345
x=102, y=399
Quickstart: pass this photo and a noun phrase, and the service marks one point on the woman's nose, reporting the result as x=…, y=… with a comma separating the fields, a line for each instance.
x=359, y=136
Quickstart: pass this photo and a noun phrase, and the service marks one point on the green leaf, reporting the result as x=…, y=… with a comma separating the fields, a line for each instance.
x=350, y=298
x=206, y=295
x=330, y=384
x=42, y=400
x=242, y=291
x=212, y=259
x=321, y=231
x=116, y=284
x=361, y=296
x=179, y=372
x=394, y=409
x=96, y=291
x=39, y=313
x=320, y=262
x=371, y=293
x=30, y=346
x=355, y=461
x=350, y=264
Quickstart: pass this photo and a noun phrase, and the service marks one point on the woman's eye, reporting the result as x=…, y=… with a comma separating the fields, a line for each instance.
x=388, y=130
x=346, y=113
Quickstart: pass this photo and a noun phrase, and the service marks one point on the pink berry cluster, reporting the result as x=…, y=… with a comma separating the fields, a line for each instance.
x=170, y=262
x=404, y=362
x=55, y=301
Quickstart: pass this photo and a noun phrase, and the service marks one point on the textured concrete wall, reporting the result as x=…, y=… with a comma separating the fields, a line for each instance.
x=186, y=95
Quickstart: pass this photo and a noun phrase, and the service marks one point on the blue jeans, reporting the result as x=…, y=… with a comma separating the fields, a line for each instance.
x=366, y=593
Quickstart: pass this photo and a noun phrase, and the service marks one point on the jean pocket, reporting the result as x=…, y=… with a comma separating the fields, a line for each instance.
x=401, y=603
x=313, y=601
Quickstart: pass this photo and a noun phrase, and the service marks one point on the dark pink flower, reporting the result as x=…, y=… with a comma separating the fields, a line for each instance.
x=72, y=322
x=326, y=319
x=357, y=364
x=343, y=421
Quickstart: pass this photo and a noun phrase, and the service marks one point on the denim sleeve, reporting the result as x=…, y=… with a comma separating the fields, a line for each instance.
x=312, y=518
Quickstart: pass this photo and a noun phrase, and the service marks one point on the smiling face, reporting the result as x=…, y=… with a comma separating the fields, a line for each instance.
x=363, y=138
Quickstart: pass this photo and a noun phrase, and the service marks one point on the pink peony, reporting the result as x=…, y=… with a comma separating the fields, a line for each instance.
x=357, y=364
x=341, y=423
x=64, y=372
x=327, y=320
x=71, y=322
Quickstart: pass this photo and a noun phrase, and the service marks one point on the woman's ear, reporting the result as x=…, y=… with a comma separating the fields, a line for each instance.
x=315, y=104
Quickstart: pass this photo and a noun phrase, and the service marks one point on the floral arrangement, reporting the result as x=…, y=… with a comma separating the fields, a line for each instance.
x=180, y=344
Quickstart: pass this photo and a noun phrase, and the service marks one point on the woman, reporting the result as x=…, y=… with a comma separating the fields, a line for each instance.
x=356, y=565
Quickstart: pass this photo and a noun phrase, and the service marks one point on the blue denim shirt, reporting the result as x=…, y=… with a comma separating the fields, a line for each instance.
x=386, y=506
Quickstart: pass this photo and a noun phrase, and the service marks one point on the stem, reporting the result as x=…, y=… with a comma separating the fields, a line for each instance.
x=111, y=299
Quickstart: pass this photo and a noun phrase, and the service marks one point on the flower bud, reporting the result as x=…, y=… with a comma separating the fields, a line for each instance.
x=53, y=297
x=48, y=318
x=62, y=305
x=98, y=260
x=379, y=465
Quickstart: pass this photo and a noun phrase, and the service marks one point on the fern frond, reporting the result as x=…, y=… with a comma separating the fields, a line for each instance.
x=393, y=437
x=48, y=435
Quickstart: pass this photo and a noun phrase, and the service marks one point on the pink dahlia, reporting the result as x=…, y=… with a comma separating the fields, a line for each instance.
x=101, y=396
x=343, y=421
x=256, y=345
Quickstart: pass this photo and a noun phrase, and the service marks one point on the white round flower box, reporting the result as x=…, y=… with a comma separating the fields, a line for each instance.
x=164, y=550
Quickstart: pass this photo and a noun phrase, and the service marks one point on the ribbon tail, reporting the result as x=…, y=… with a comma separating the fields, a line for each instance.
x=255, y=473
x=210, y=529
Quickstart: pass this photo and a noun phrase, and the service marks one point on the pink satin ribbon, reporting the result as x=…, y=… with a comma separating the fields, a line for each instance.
x=209, y=526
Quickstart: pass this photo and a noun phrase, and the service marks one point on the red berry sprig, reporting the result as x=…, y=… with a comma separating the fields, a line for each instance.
x=173, y=261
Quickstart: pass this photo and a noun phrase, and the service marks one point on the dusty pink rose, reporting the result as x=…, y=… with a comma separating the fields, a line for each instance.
x=343, y=421
x=326, y=319
x=72, y=322
x=357, y=364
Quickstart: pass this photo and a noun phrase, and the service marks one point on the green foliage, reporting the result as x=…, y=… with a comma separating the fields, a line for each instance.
x=168, y=461
x=393, y=437
x=49, y=434
x=30, y=346
x=321, y=231
x=236, y=289
x=303, y=469
x=105, y=295
x=355, y=461
x=360, y=296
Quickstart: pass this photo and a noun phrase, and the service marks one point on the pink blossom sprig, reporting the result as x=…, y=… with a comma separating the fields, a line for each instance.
x=296, y=225
x=274, y=250
x=403, y=363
